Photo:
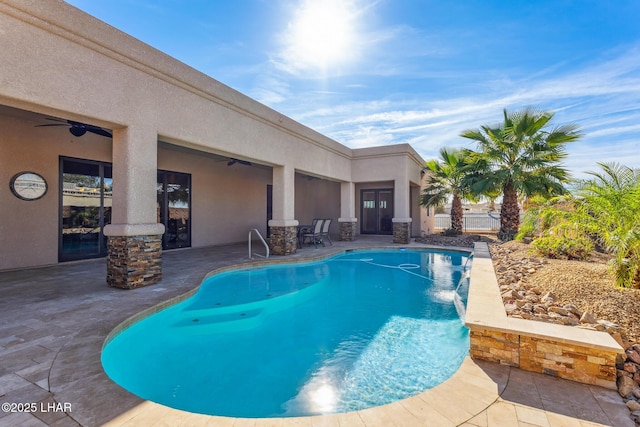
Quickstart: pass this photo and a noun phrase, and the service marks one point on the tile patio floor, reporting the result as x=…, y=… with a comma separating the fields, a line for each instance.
x=53, y=322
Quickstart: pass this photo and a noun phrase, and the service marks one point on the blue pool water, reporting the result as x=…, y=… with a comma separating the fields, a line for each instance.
x=357, y=330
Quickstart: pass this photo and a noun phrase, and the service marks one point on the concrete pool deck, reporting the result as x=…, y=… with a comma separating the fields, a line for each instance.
x=54, y=320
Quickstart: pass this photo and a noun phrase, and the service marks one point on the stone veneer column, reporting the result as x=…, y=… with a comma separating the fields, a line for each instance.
x=284, y=229
x=134, y=255
x=283, y=239
x=348, y=229
x=401, y=230
x=134, y=261
x=347, y=217
x=402, y=211
x=134, y=247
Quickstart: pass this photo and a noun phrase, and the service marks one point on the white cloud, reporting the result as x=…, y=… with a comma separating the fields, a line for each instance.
x=271, y=90
x=620, y=130
x=602, y=99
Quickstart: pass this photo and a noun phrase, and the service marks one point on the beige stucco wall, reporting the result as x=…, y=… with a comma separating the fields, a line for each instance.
x=29, y=229
x=316, y=198
x=110, y=79
x=58, y=61
x=391, y=162
x=397, y=163
x=227, y=201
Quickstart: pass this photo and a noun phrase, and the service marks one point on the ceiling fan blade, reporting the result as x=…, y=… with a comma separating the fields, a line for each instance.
x=78, y=128
x=233, y=161
x=98, y=131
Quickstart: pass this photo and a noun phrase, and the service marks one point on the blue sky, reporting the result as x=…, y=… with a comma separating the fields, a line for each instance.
x=384, y=72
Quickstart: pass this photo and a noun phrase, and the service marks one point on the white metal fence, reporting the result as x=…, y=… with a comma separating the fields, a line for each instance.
x=470, y=222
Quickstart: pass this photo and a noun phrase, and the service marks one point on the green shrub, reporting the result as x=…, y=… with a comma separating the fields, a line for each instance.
x=563, y=247
x=609, y=207
x=603, y=212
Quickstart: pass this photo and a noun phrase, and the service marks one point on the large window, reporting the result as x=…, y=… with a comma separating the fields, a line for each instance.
x=85, y=208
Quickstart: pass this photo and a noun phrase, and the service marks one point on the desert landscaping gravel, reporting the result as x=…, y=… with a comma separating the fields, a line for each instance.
x=589, y=286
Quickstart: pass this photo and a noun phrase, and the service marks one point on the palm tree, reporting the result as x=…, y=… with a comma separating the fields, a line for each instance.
x=520, y=157
x=447, y=178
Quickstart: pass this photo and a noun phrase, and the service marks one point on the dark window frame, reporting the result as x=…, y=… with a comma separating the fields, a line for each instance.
x=164, y=208
x=377, y=192
x=102, y=250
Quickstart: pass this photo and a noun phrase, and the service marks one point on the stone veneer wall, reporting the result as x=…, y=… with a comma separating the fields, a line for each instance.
x=583, y=364
x=401, y=232
x=494, y=346
x=134, y=261
x=582, y=355
x=283, y=240
x=348, y=231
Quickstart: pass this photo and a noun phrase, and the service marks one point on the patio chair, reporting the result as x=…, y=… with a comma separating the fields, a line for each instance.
x=315, y=235
x=325, y=232
x=305, y=229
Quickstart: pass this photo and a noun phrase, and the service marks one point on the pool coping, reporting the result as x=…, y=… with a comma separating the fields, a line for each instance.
x=476, y=385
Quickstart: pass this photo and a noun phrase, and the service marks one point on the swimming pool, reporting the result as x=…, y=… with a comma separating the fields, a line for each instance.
x=359, y=329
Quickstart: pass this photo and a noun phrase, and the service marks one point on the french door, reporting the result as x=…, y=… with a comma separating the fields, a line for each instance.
x=376, y=211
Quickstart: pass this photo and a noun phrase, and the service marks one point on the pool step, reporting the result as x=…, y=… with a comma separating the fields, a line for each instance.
x=209, y=321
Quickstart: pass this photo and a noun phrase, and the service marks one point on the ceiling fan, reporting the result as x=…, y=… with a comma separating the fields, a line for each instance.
x=78, y=128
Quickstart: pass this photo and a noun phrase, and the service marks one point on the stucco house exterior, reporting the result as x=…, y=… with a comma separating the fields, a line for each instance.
x=183, y=160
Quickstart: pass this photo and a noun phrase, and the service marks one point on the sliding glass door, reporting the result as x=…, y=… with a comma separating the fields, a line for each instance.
x=174, y=208
x=85, y=208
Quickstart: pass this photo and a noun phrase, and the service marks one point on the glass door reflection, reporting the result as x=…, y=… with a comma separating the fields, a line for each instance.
x=174, y=208
x=376, y=211
x=85, y=208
